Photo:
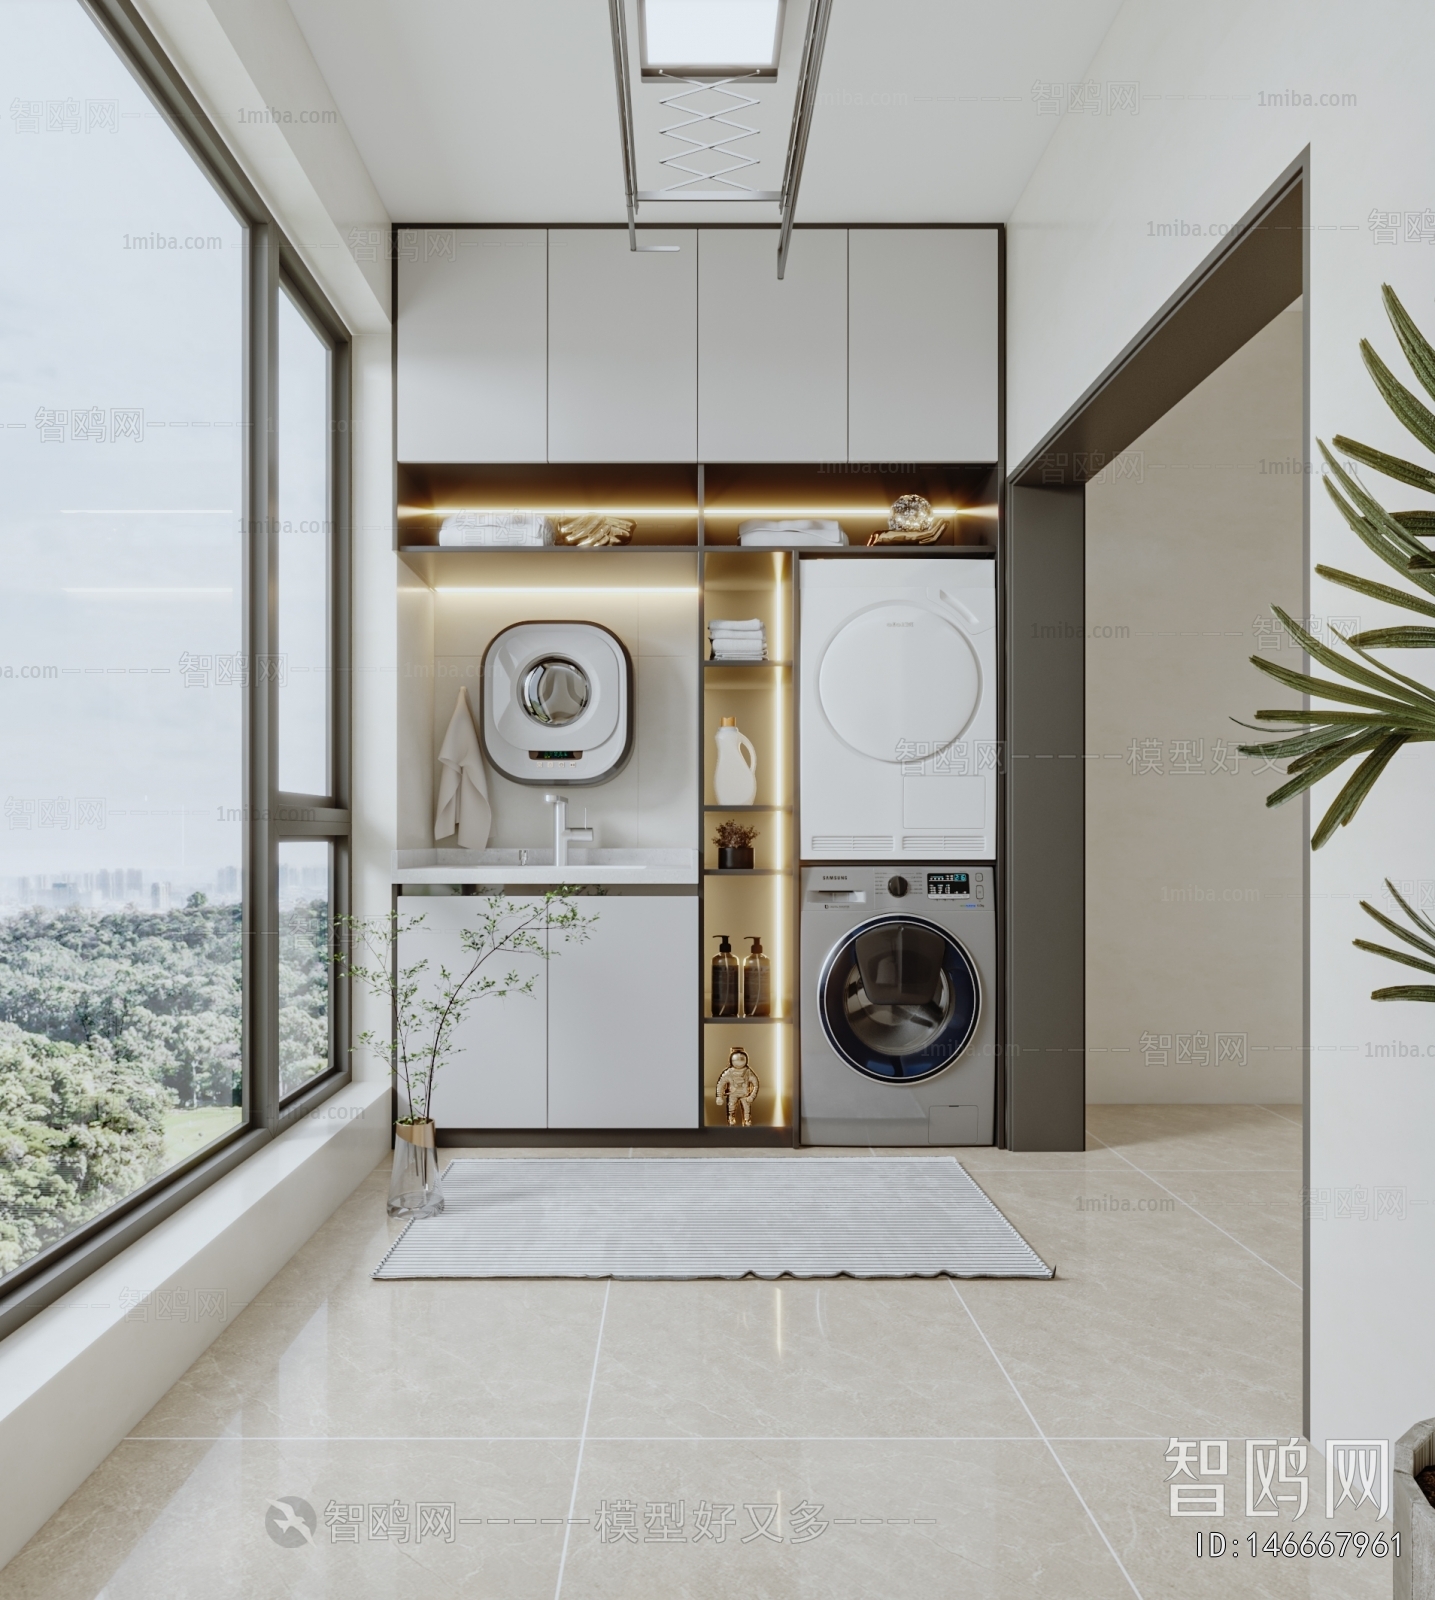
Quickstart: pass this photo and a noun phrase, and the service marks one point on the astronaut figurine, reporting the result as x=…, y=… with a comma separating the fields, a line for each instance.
x=737, y=1086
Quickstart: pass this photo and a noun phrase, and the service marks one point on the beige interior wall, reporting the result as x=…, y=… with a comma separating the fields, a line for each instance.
x=1194, y=975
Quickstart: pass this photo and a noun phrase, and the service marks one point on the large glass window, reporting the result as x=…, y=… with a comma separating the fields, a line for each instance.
x=304, y=538
x=121, y=695
x=138, y=650
x=305, y=968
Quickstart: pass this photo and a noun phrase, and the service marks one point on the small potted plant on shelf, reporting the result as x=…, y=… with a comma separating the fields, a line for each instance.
x=734, y=842
x=426, y=1016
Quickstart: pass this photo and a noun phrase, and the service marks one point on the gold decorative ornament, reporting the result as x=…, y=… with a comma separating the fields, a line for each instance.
x=911, y=522
x=595, y=531
x=738, y=1086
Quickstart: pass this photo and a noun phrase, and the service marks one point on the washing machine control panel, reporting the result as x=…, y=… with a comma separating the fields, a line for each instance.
x=958, y=885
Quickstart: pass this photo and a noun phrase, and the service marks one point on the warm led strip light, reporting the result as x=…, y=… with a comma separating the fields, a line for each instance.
x=692, y=511
x=592, y=588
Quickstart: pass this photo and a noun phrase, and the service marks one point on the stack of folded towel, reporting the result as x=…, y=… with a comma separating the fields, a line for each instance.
x=786, y=532
x=487, y=529
x=738, y=641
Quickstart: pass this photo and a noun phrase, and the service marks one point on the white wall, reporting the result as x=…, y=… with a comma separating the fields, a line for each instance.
x=1195, y=965
x=1086, y=270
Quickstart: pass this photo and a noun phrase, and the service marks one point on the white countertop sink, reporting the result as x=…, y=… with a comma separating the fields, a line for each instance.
x=585, y=865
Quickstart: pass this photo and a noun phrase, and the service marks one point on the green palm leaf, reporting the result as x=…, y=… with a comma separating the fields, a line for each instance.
x=1392, y=466
x=1395, y=639
x=1412, y=939
x=1417, y=418
x=1417, y=350
x=1393, y=955
x=1381, y=591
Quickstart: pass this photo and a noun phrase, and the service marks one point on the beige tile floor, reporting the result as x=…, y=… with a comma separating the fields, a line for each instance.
x=984, y=1439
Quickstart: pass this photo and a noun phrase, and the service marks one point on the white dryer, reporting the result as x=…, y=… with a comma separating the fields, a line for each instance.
x=897, y=670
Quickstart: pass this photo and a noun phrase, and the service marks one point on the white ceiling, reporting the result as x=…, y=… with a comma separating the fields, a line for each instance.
x=505, y=110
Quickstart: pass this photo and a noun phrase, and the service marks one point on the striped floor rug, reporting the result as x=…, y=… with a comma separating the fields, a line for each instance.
x=712, y=1217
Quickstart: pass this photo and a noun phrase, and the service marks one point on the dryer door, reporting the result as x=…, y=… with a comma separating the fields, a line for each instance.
x=899, y=999
x=898, y=681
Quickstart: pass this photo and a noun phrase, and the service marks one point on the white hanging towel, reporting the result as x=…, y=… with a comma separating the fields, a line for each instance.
x=463, y=806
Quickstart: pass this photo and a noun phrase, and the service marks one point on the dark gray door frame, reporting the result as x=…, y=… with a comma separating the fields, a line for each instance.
x=1257, y=271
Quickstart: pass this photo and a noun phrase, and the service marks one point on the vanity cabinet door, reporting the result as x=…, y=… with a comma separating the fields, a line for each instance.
x=622, y=1016
x=497, y=1075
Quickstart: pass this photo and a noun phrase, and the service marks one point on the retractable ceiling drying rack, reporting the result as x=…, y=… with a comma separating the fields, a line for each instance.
x=715, y=132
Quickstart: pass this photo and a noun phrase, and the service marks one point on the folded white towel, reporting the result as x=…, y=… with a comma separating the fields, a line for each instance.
x=818, y=527
x=753, y=626
x=787, y=539
x=527, y=529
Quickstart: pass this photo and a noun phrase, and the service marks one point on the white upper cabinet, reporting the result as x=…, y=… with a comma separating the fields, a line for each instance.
x=472, y=345
x=772, y=356
x=922, y=344
x=622, y=346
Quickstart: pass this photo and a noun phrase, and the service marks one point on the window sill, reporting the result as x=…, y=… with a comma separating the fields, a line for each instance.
x=78, y=1375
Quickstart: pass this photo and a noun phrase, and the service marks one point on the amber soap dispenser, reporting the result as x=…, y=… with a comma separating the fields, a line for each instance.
x=756, y=981
x=725, y=979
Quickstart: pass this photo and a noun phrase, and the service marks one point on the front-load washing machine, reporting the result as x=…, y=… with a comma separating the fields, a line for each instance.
x=898, y=1005
x=897, y=668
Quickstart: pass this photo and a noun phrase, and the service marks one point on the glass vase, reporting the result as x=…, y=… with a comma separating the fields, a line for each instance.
x=414, y=1189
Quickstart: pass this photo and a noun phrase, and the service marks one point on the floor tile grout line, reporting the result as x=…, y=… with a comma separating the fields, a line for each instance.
x=582, y=1442
x=1194, y=1212
x=1294, y=1122
x=1021, y=1401
x=643, y=1438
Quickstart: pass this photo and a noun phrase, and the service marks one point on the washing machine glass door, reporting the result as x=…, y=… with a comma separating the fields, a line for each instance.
x=899, y=998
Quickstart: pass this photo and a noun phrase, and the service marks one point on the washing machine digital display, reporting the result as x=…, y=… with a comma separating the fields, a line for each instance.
x=899, y=998
x=949, y=883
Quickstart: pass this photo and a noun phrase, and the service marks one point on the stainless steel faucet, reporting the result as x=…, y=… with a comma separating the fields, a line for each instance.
x=563, y=835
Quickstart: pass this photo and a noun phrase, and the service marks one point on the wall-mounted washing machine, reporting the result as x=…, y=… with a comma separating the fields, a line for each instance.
x=897, y=667
x=557, y=703
x=898, y=1005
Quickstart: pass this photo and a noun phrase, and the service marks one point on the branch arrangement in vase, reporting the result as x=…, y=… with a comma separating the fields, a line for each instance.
x=425, y=1023
x=1377, y=710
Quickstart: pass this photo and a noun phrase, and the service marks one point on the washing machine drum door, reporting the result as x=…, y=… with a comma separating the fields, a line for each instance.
x=899, y=999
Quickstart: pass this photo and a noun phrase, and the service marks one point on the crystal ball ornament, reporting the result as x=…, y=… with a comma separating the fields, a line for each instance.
x=911, y=513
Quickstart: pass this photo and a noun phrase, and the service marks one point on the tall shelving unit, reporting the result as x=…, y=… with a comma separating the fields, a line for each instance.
x=736, y=585
x=696, y=511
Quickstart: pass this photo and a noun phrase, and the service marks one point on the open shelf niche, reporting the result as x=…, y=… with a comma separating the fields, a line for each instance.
x=737, y=585
x=679, y=506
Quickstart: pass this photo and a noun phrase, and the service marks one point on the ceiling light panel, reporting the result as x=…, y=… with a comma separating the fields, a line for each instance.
x=710, y=38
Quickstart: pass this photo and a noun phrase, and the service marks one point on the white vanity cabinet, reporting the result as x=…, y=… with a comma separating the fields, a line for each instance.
x=622, y=1009
x=604, y=1040
x=472, y=345
x=497, y=1076
x=922, y=344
